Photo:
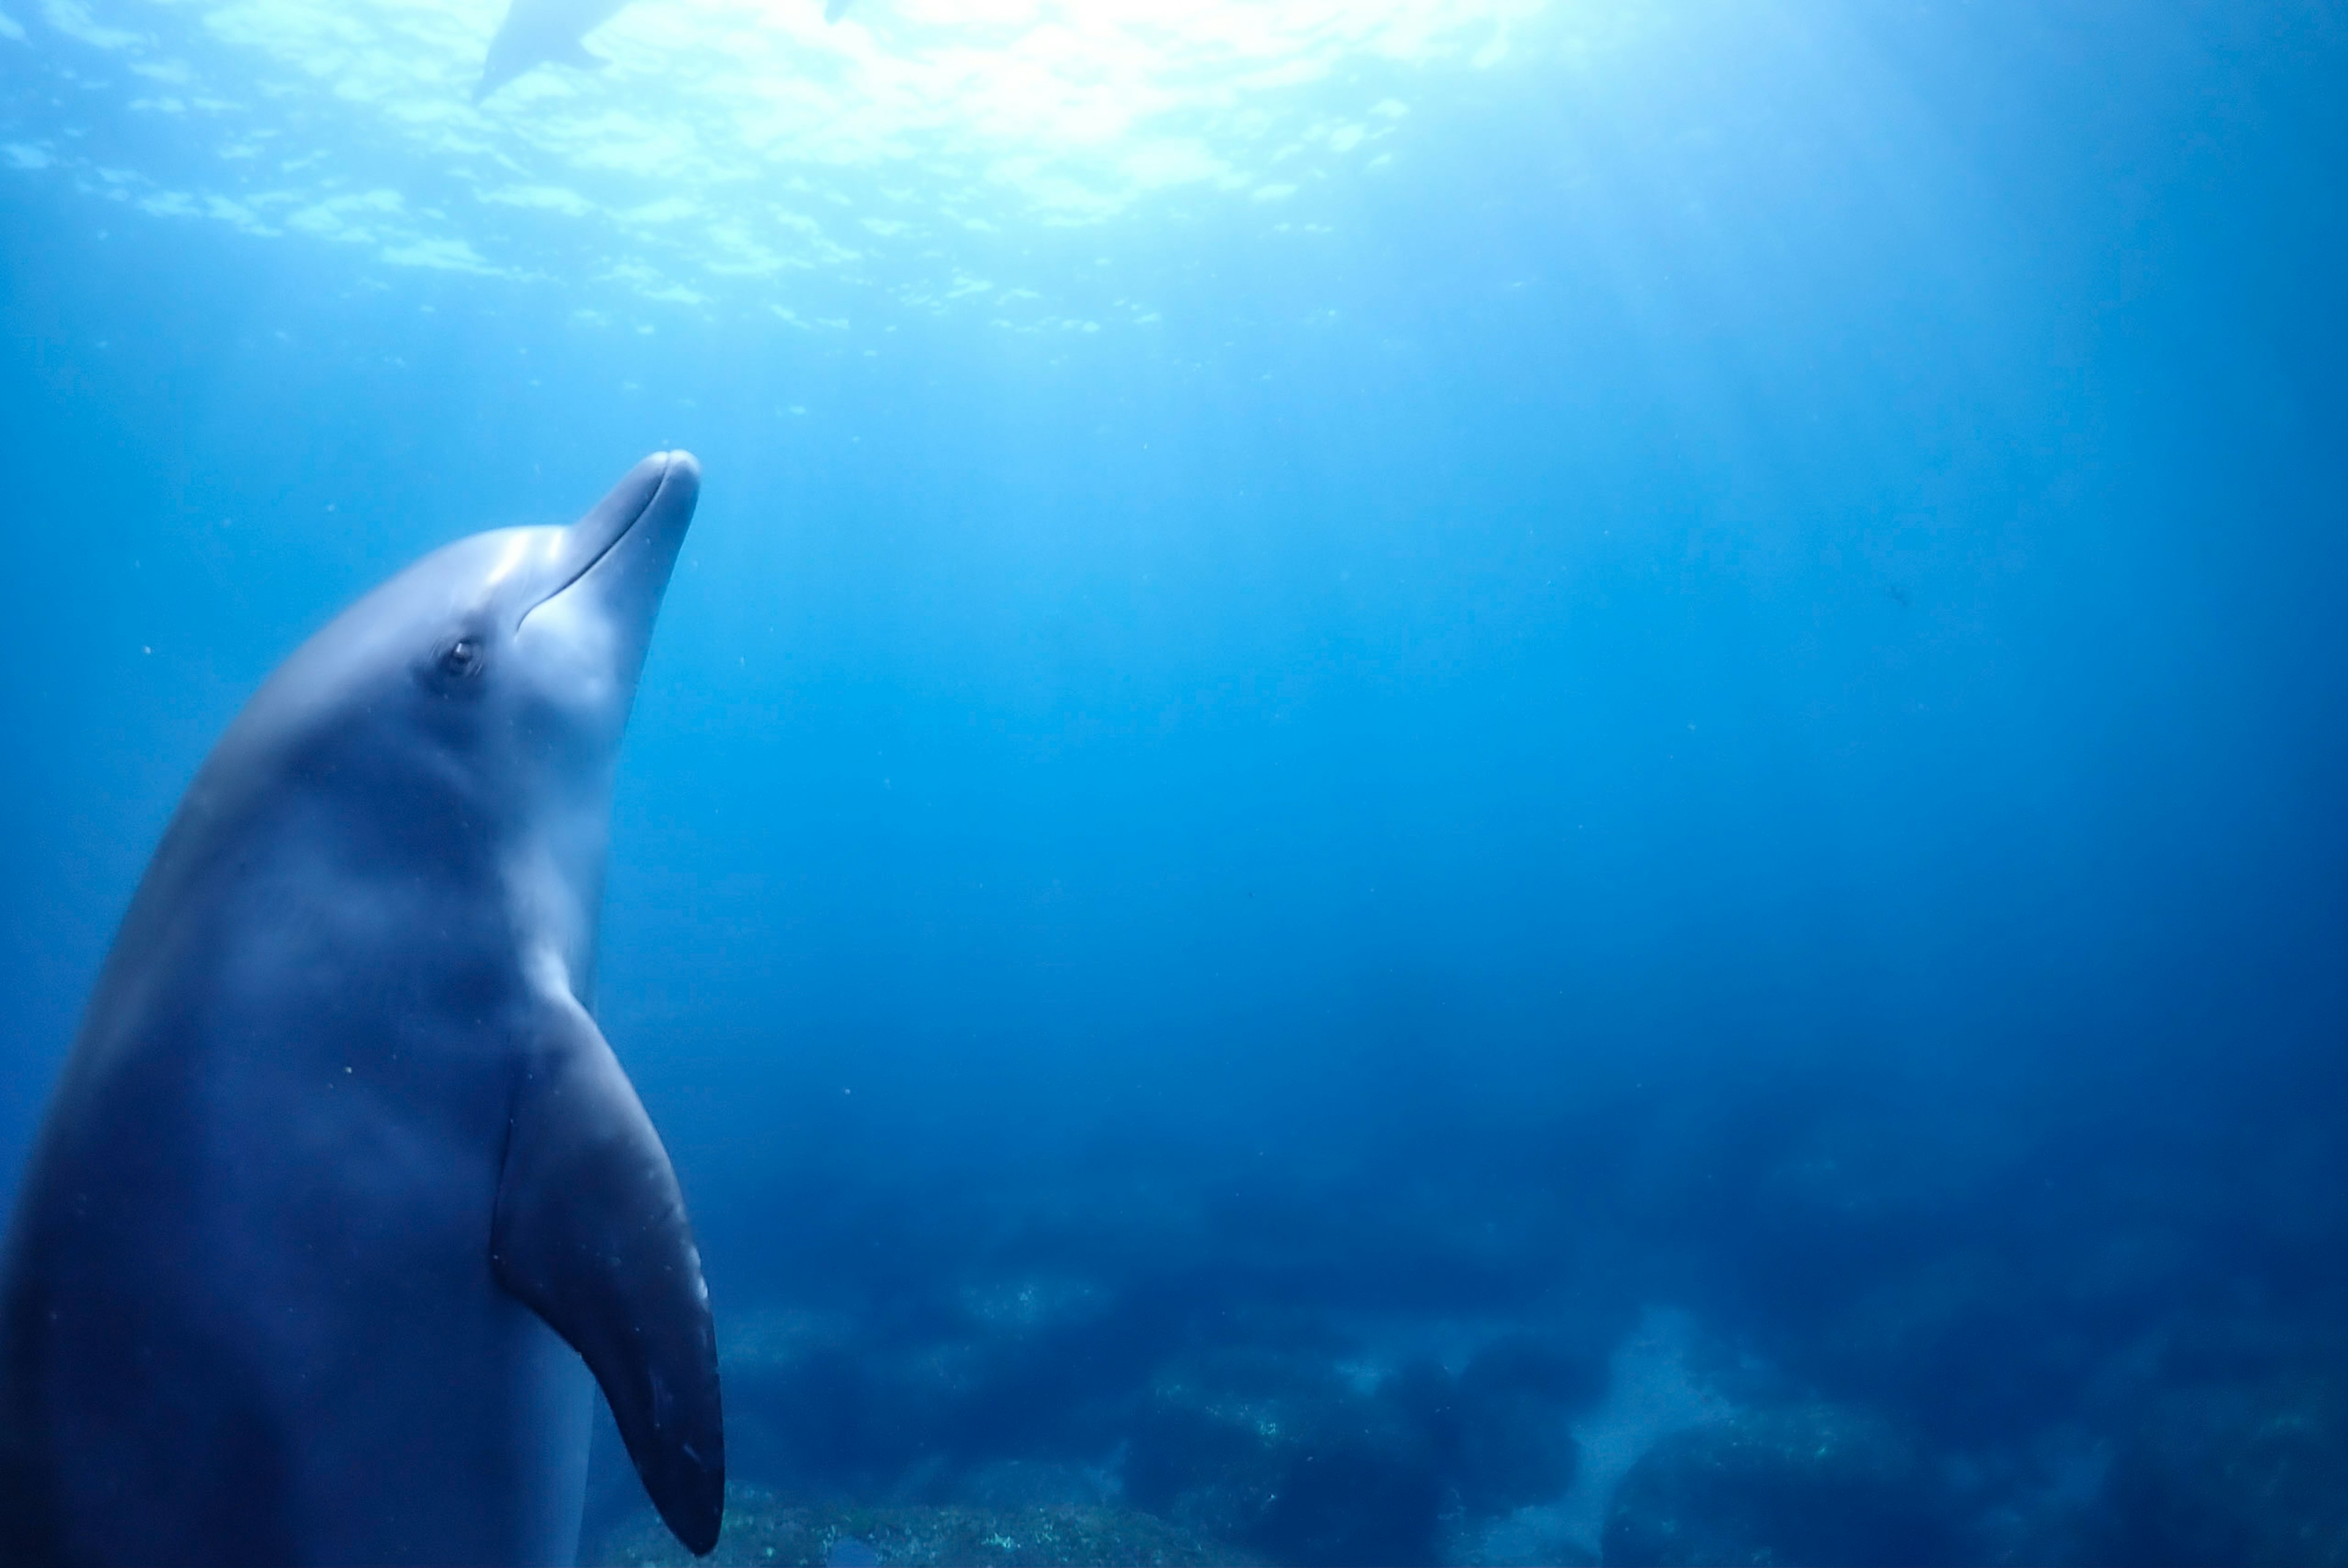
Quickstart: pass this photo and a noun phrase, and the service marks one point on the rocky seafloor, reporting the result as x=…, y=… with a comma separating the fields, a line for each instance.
x=763, y=1533
x=1826, y=1345
x=1264, y=1458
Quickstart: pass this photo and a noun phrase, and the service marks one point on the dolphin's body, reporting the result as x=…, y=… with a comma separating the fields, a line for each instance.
x=340, y=1160
x=543, y=32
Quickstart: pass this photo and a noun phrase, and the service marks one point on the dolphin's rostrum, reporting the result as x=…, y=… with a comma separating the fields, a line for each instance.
x=340, y=1152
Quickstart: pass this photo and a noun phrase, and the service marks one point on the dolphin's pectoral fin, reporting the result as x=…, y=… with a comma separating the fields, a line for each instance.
x=591, y=1233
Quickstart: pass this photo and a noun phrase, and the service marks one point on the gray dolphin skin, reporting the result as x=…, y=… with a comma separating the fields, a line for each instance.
x=543, y=32
x=340, y=1183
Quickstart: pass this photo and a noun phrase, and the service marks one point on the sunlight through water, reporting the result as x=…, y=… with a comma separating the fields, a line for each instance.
x=723, y=147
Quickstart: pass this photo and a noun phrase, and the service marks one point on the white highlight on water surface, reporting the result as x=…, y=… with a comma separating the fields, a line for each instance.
x=729, y=146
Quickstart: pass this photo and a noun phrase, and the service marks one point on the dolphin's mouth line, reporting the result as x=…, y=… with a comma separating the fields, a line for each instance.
x=621, y=532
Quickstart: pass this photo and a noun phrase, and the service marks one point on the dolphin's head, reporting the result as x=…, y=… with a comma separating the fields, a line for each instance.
x=526, y=644
x=467, y=713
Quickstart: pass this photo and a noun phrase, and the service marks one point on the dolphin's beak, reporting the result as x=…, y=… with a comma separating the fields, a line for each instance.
x=624, y=548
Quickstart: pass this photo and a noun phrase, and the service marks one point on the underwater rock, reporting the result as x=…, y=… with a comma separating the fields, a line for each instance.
x=1022, y=1389
x=1496, y=1434
x=1511, y=1445
x=1039, y=1484
x=1283, y=1454
x=2253, y=1472
x=1536, y=1537
x=761, y=1532
x=809, y=1401
x=1811, y=1485
x=1012, y=1396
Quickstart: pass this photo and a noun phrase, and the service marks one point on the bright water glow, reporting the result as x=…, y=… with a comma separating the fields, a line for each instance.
x=728, y=147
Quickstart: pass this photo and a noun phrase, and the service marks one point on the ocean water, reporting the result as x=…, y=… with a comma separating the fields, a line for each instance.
x=1435, y=780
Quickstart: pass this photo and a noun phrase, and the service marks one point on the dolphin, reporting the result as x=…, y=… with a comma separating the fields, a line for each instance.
x=341, y=1184
x=543, y=32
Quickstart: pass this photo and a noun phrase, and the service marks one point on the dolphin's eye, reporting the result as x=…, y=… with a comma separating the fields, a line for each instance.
x=462, y=657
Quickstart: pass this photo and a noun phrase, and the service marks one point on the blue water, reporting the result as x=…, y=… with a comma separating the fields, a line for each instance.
x=1604, y=748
